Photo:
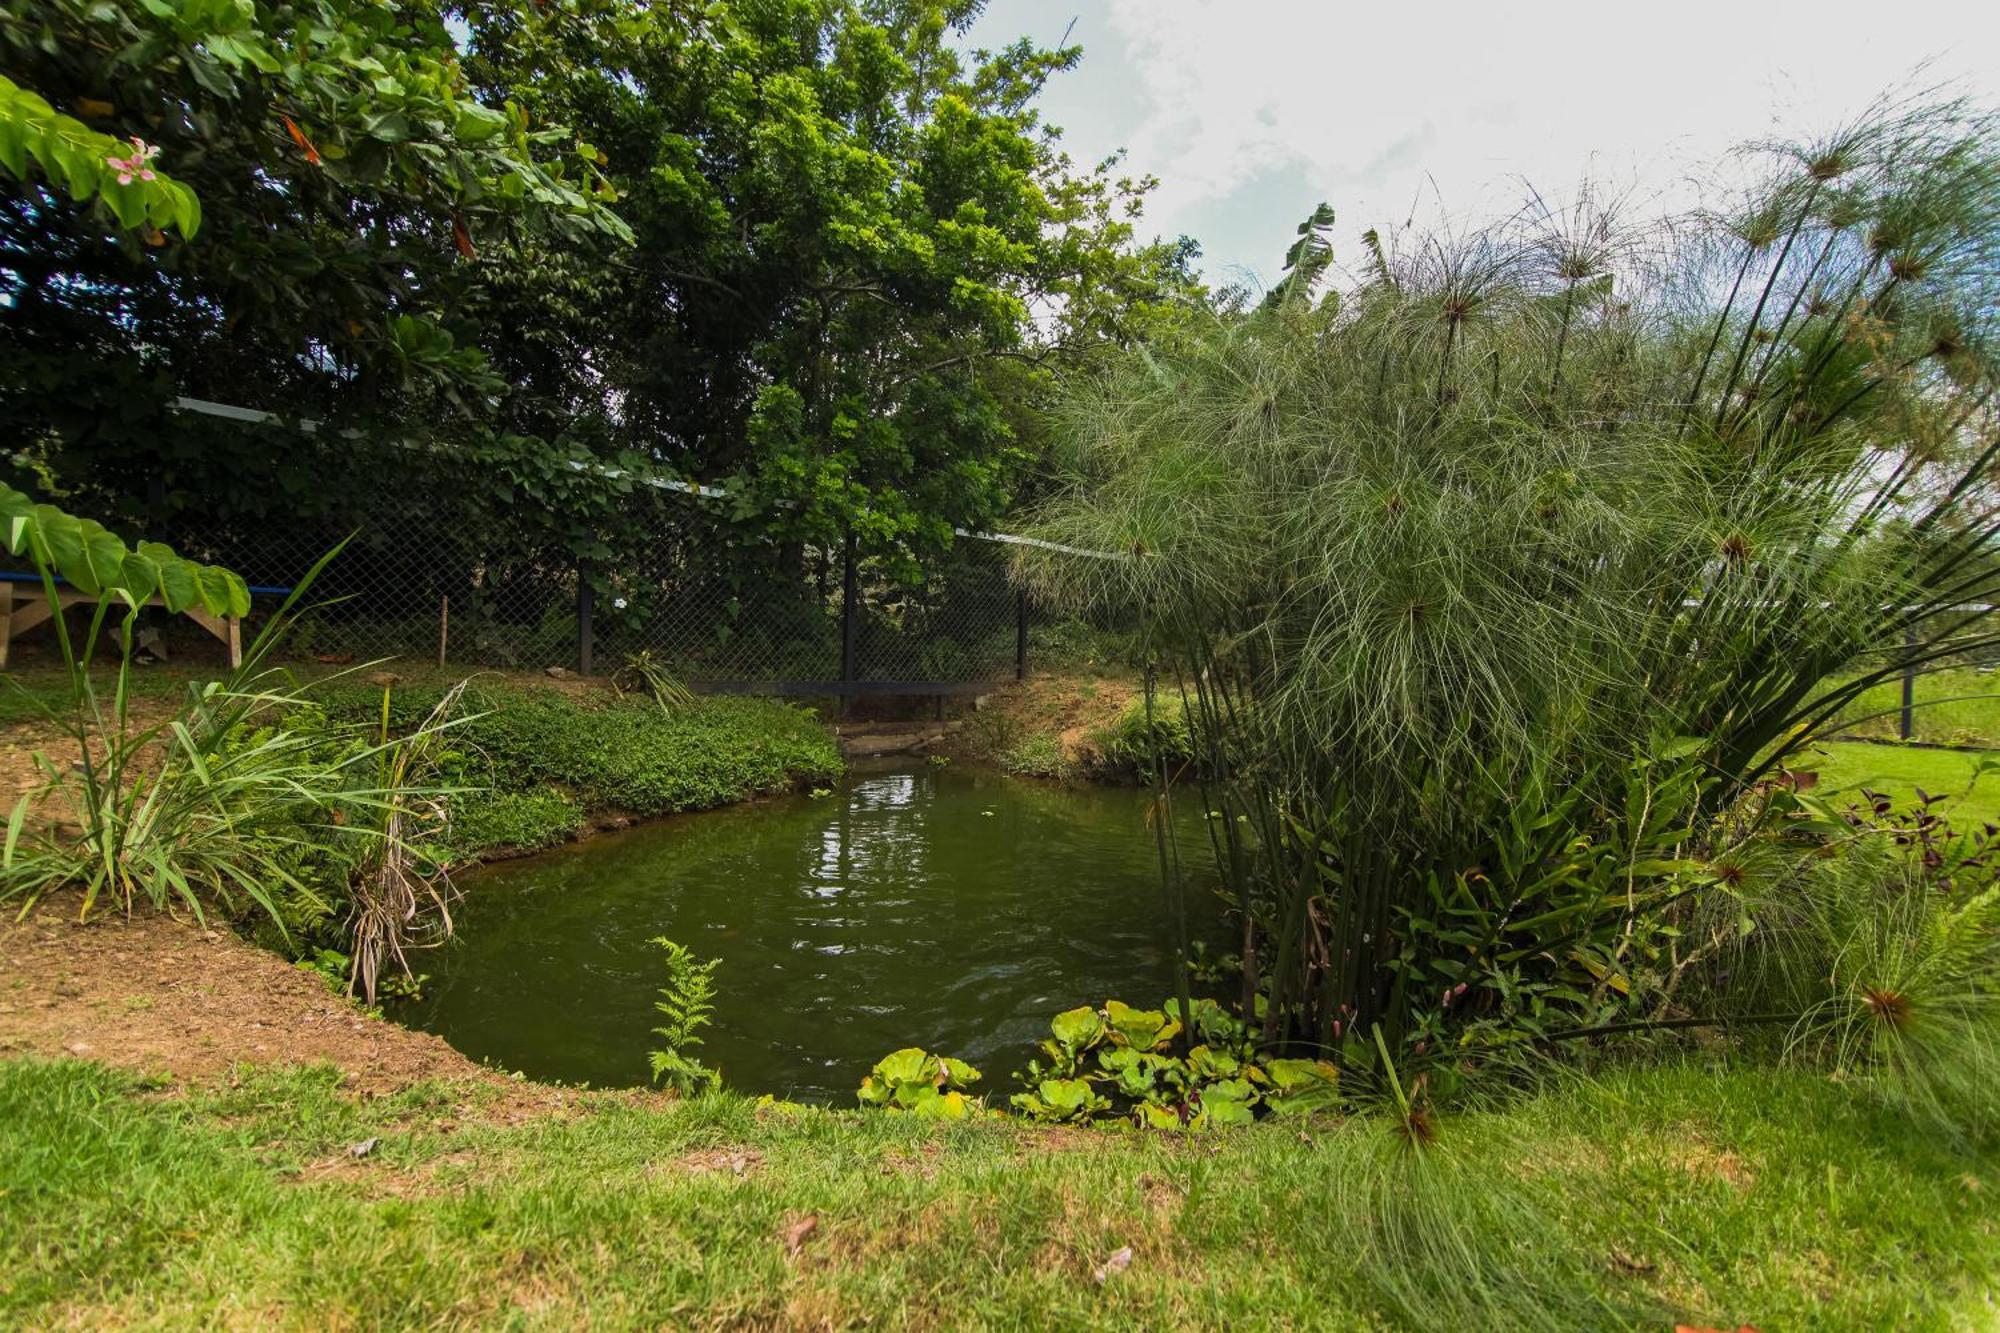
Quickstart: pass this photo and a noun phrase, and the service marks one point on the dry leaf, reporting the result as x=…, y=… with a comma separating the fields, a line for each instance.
x=1627, y=1264
x=299, y=138
x=796, y=1232
x=1117, y=1263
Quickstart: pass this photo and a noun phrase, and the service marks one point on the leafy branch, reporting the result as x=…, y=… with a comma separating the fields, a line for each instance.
x=91, y=165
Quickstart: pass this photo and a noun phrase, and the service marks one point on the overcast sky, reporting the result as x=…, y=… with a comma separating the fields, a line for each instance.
x=1251, y=112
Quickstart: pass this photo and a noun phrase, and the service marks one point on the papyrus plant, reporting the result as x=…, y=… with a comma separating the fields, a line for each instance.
x=1457, y=544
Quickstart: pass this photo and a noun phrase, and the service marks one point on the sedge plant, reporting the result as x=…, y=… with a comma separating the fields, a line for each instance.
x=1504, y=578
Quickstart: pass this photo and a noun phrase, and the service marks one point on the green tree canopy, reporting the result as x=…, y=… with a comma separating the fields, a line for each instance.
x=808, y=249
x=859, y=252
x=346, y=178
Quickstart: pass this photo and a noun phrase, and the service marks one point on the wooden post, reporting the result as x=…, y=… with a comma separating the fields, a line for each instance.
x=1021, y=634
x=586, y=604
x=444, y=623
x=6, y=620
x=850, y=606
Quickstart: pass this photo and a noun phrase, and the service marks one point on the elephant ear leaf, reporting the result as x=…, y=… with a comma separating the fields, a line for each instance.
x=239, y=592
x=139, y=576
x=60, y=538
x=180, y=583
x=218, y=592
x=17, y=519
x=101, y=568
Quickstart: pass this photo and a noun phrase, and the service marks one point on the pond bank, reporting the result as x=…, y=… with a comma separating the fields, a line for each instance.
x=193, y=1132
x=179, y=1003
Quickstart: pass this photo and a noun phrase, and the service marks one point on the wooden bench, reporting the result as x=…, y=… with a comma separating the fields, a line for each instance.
x=23, y=605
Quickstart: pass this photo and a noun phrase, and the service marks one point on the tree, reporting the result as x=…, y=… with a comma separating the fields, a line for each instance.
x=859, y=255
x=348, y=178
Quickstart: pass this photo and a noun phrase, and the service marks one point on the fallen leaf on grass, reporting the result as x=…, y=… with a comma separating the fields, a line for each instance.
x=1625, y=1263
x=1120, y=1260
x=796, y=1232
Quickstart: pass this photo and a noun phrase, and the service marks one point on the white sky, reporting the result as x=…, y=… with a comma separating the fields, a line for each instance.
x=1251, y=112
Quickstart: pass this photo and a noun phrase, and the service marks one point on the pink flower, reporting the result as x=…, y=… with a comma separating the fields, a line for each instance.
x=135, y=165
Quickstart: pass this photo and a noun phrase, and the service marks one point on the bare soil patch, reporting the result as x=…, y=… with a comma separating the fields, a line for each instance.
x=166, y=997
x=1071, y=706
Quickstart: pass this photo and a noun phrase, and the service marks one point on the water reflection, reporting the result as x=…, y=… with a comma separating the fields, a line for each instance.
x=952, y=908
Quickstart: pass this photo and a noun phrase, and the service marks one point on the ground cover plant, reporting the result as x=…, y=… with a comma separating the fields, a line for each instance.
x=1506, y=580
x=539, y=763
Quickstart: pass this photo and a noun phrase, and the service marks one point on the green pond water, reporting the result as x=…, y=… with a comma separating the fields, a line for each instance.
x=952, y=908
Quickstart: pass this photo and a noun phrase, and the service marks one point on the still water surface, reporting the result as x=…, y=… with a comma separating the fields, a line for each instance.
x=951, y=908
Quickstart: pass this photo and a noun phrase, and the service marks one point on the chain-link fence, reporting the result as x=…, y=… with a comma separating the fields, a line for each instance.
x=427, y=575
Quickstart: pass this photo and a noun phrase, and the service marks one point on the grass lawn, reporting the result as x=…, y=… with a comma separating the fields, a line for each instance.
x=1720, y=1196
x=1956, y=707
x=1899, y=770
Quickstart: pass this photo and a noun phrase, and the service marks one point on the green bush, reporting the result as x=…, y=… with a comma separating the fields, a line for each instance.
x=541, y=747
x=528, y=820
x=1136, y=742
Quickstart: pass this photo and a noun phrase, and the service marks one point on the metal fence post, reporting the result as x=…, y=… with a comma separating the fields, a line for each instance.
x=850, y=607
x=586, y=604
x=1020, y=634
x=1906, y=723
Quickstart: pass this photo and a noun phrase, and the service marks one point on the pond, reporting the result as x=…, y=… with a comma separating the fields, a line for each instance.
x=954, y=908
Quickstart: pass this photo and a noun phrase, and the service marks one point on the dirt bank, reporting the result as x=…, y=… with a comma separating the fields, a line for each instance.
x=168, y=998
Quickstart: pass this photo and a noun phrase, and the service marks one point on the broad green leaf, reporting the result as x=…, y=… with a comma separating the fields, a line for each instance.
x=239, y=592
x=1142, y=1029
x=218, y=594
x=17, y=518
x=61, y=538
x=140, y=576
x=935, y=1105
x=1078, y=1029
x=476, y=124
x=179, y=584
x=912, y=1064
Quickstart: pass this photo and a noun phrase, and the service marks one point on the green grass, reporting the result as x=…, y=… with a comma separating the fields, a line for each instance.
x=1898, y=771
x=1728, y=1196
x=29, y=695
x=1956, y=707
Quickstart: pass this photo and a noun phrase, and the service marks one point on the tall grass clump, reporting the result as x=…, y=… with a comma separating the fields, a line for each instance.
x=244, y=797
x=1505, y=577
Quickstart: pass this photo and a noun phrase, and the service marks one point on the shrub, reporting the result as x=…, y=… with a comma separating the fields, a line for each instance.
x=1040, y=755
x=629, y=754
x=1146, y=736
x=522, y=820
x=1440, y=552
